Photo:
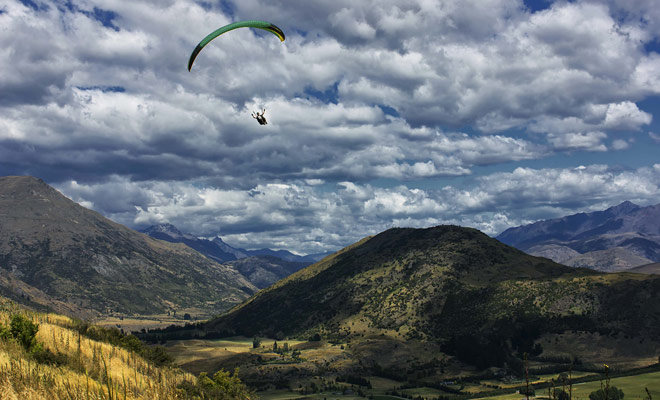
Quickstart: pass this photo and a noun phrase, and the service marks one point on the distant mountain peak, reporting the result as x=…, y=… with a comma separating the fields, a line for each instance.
x=623, y=208
x=169, y=230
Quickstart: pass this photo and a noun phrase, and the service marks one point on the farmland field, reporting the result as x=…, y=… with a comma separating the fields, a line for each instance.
x=632, y=386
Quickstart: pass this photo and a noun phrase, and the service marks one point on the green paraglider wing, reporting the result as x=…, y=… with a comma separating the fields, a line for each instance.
x=242, y=24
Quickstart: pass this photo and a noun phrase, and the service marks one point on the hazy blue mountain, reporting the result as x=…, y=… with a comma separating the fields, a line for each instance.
x=216, y=249
x=288, y=256
x=221, y=251
x=621, y=237
x=261, y=267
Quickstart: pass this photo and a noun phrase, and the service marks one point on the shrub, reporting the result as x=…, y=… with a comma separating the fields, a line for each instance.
x=223, y=386
x=24, y=331
x=613, y=393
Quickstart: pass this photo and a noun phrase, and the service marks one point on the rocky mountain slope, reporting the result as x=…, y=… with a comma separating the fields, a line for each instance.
x=615, y=239
x=61, y=255
x=263, y=271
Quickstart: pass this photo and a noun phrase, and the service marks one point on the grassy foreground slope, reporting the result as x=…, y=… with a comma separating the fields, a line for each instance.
x=64, y=362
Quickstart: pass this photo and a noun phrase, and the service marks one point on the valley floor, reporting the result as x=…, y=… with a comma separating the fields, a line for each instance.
x=314, y=370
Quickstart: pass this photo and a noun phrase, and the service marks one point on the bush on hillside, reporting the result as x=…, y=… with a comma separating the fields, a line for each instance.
x=23, y=331
x=613, y=393
x=223, y=386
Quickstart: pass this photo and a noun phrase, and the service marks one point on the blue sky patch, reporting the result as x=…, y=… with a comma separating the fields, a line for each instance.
x=227, y=8
x=653, y=46
x=36, y=6
x=115, y=89
x=388, y=110
x=105, y=17
x=538, y=5
x=330, y=95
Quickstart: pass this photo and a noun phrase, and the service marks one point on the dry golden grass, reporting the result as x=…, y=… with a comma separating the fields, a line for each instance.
x=90, y=370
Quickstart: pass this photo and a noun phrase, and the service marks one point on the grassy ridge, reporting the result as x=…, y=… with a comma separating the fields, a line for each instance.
x=78, y=367
x=65, y=362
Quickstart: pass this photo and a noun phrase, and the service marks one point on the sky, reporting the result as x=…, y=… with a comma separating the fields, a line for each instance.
x=381, y=113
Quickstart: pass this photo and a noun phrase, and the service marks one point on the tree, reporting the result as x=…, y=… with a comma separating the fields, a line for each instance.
x=24, y=331
x=613, y=393
x=256, y=343
x=222, y=386
x=187, y=317
x=560, y=394
x=275, y=346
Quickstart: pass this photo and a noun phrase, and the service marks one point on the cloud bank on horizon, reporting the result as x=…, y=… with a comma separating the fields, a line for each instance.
x=383, y=113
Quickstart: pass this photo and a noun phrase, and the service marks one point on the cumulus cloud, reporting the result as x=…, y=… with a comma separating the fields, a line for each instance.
x=310, y=218
x=589, y=141
x=619, y=144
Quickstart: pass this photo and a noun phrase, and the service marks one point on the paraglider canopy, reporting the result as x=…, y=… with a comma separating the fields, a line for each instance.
x=267, y=26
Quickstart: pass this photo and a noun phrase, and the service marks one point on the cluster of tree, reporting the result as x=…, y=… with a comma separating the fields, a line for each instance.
x=354, y=380
x=390, y=373
x=221, y=386
x=482, y=351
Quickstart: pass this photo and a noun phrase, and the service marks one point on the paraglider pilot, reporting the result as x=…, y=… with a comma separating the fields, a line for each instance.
x=260, y=117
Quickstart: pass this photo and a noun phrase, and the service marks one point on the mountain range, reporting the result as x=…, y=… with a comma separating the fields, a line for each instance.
x=220, y=251
x=619, y=238
x=261, y=267
x=59, y=255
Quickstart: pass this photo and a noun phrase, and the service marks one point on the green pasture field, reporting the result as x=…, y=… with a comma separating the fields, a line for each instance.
x=286, y=395
x=632, y=386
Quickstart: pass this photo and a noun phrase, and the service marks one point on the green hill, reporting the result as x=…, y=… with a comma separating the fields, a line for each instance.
x=480, y=300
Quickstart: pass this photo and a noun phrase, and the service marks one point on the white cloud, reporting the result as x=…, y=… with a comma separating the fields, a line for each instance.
x=410, y=92
x=619, y=144
x=310, y=218
x=626, y=115
x=589, y=141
